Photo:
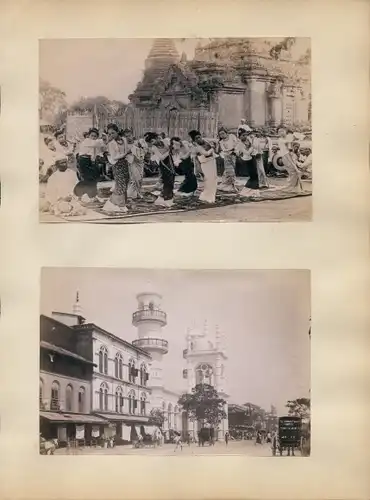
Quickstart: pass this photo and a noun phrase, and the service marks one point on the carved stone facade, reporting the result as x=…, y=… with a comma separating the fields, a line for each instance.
x=237, y=78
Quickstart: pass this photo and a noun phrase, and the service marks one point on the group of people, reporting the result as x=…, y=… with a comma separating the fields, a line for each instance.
x=73, y=170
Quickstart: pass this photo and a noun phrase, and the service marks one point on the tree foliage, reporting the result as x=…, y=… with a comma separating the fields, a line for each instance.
x=52, y=101
x=101, y=103
x=157, y=417
x=284, y=45
x=204, y=404
x=300, y=407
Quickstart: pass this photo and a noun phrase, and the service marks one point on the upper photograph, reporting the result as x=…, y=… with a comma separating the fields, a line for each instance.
x=175, y=130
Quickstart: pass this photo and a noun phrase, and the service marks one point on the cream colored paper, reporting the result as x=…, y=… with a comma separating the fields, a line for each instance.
x=334, y=246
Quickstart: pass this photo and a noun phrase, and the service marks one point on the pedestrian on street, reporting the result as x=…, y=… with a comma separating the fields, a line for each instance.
x=178, y=442
x=226, y=438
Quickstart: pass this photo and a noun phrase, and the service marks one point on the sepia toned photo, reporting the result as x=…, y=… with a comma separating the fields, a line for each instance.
x=173, y=362
x=175, y=130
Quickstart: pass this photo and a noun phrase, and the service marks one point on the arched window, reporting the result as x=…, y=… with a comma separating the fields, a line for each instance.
x=176, y=414
x=151, y=306
x=131, y=402
x=103, y=360
x=131, y=371
x=143, y=403
x=81, y=400
x=143, y=375
x=118, y=365
x=204, y=374
x=119, y=400
x=69, y=398
x=169, y=416
x=41, y=392
x=55, y=396
x=103, y=396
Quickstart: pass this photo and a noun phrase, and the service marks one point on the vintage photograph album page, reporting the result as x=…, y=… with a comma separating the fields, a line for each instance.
x=184, y=250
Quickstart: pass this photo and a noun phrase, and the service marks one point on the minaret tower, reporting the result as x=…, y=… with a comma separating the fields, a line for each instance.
x=77, y=309
x=149, y=320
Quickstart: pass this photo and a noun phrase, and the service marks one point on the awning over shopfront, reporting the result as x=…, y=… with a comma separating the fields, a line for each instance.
x=127, y=419
x=75, y=418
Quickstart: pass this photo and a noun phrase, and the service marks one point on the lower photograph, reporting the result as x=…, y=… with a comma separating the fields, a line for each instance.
x=175, y=362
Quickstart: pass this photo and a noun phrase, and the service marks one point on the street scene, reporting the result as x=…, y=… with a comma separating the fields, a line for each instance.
x=169, y=366
x=173, y=130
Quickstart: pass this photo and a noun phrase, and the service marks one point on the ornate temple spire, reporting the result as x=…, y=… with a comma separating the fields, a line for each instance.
x=162, y=51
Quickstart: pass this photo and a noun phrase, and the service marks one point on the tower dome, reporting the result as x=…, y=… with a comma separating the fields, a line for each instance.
x=203, y=344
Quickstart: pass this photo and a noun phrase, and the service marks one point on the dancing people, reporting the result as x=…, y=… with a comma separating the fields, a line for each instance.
x=227, y=143
x=206, y=156
x=117, y=153
x=88, y=167
x=135, y=159
x=165, y=157
x=182, y=160
x=245, y=150
x=285, y=147
x=258, y=155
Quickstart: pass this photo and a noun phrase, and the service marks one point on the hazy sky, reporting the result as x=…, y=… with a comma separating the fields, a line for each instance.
x=264, y=316
x=91, y=67
x=110, y=67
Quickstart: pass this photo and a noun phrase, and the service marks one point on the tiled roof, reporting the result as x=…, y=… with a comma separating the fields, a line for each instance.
x=64, y=352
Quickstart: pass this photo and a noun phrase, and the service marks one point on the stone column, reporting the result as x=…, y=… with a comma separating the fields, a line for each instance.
x=277, y=111
x=257, y=103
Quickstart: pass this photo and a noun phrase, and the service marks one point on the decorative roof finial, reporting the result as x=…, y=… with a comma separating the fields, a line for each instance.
x=218, y=336
x=205, y=328
x=77, y=306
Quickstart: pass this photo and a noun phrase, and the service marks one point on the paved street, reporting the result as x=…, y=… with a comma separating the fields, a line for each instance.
x=247, y=448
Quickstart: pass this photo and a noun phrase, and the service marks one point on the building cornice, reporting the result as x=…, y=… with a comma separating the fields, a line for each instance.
x=67, y=377
x=91, y=327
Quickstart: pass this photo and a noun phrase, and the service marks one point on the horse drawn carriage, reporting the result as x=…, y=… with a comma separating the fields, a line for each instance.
x=288, y=436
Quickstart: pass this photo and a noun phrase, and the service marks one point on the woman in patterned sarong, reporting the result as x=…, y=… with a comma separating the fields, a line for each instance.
x=258, y=150
x=117, y=157
x=135, y=159
x=285, y=150
x=182, y=160
x=227, y=143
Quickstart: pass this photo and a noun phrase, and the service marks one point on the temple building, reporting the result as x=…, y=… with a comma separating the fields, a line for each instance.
x=261, y=80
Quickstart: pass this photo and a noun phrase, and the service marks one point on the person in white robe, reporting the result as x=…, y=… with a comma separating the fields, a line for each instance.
x=207, y=158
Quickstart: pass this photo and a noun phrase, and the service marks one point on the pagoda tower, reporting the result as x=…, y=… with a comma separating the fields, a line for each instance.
x=162, y=55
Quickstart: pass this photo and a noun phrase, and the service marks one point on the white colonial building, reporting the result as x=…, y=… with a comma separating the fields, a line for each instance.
x=128, y=378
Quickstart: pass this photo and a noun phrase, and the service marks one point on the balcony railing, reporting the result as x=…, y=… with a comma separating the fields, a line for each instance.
x=150, y=342
x=149, y=315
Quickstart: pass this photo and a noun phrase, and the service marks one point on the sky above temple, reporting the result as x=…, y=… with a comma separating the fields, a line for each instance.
x=105, y=67
x=264, y=316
